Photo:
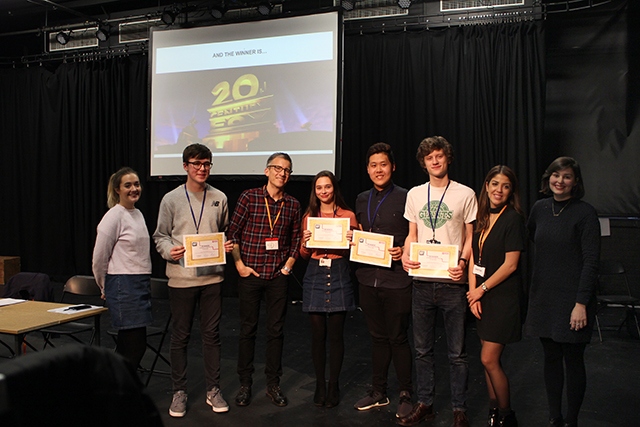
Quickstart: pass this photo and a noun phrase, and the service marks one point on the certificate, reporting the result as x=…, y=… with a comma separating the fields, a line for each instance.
x=371, y=248
x=328, y=233
x=435, y=260
x=203, y=250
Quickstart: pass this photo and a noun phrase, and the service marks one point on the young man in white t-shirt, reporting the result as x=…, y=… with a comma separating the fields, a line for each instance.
x=441, y=211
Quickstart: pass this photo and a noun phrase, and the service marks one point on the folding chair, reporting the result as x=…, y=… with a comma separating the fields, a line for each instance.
x=159, y=291
x=28, y=286
x=614, y=292
x=78, y=289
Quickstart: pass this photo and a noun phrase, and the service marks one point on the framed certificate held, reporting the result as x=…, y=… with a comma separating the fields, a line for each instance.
x=328, y=233
x=371, y=248
x=202, y=250
x=435, y=260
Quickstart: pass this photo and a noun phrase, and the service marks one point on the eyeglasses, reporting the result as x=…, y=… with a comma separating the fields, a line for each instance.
x=279, y=169
x=200, y=165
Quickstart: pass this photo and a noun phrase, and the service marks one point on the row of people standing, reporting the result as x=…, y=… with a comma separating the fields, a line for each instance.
x=265, y=239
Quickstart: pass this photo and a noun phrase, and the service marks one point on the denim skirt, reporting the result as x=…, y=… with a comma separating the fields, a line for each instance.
x=129, y=300
x=327, y=289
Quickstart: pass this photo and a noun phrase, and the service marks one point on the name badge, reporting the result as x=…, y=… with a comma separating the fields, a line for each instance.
x=478, y=270
x=271, y=244
x=325, y=262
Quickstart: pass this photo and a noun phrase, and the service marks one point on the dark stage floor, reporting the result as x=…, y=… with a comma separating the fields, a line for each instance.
x=612, y=397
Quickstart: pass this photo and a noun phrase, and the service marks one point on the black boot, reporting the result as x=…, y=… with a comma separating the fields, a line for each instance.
x=494, y=417
x=320, y=394
x=508, y=420
x=333, y=394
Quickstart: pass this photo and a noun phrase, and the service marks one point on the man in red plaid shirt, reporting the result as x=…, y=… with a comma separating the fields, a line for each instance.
x=265, y=232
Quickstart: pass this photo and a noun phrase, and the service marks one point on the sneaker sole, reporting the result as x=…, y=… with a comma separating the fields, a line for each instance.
x=218, y=410
x=373, y=405
x=177, y=414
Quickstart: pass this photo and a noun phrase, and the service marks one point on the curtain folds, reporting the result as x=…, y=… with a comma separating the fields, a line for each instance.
x=64, y=131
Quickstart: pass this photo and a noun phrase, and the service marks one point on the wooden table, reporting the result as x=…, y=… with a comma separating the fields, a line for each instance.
x=19, y=319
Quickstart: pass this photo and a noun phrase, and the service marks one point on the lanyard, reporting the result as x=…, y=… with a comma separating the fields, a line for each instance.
x=193, y=215
x=272, y=224
x=484, y=235
x=433, y=222
x=375, y=213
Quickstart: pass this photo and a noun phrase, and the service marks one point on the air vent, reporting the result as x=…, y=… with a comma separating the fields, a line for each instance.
x=458, y=5
x=78, y=39
x=136, y=31
x=374, y=12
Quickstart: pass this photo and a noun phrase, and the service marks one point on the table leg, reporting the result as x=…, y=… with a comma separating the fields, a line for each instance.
x=96, y=319
x=17, y=346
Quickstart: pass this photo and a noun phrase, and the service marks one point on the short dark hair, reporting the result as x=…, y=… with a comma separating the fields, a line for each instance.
x=557, y=165
x=381, y=147
x=282, y=155
x=433, y=143
x=196, y=151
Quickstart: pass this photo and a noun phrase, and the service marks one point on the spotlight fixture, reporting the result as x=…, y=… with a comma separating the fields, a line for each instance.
x=168, y=17
x=102, y=34
x=217, y=12
x=348, y=4
x=63, y=38
x=404, y=4
x=264, y=8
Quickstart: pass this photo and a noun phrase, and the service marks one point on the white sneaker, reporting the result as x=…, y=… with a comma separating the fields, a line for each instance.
x=217, y=402
x=178, y=406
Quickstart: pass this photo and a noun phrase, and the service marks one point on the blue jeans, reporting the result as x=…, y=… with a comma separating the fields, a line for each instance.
x=428, y=297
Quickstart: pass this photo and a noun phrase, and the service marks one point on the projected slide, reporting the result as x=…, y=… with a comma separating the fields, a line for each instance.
x=247, y=90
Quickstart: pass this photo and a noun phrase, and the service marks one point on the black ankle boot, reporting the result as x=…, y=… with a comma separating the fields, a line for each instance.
x=494, y=417
x=320, y=394
x=333, y=394
x=508, y=420
x=556, y=422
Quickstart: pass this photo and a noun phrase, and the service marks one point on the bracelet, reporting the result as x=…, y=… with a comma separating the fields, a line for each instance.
x=287, y=269
x=484, y=287
x=465, y=261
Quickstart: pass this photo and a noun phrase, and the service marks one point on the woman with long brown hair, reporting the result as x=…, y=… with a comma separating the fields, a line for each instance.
x=495, y=289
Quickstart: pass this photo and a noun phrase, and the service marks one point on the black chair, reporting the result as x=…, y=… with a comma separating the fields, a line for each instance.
x=614, y=292
x=78, y=289
x=159, y=292
x=28, y=286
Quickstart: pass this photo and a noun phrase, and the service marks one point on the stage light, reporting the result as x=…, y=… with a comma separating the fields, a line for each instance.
x=102, y=33
x=264, y=8
x=404, y=4
x=217, y=12
x=348, y=4
x=168, y=17
x=63, y=38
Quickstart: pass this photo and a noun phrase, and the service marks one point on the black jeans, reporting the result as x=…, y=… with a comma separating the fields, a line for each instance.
x=183, y=302
x=388, y=313
x=251, y=290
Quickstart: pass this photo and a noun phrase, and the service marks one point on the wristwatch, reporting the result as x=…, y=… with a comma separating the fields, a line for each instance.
x=484, y=287
x=287, y=269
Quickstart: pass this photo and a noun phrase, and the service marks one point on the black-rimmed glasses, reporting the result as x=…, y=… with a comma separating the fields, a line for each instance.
x=200, y=165
x=279, y=169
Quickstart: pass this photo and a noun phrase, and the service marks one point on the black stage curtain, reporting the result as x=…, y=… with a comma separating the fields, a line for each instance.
x=67, y=129
x=481, y=87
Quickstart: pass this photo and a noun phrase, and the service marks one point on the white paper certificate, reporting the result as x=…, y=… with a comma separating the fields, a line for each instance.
x=203, y=250
x=328, y=233
x=435, y=260
x=371, y=248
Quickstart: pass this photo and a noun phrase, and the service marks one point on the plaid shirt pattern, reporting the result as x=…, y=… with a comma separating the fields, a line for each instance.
x=249, y=228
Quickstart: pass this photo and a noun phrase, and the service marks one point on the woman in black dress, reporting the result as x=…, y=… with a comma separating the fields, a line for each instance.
x=566, y=237
x=495, y=289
